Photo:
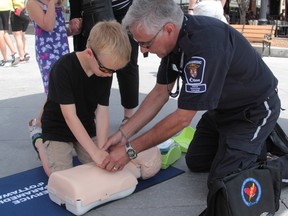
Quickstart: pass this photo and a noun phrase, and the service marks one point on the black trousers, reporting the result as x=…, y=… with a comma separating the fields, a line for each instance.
x=226, y=141
x=128, y=77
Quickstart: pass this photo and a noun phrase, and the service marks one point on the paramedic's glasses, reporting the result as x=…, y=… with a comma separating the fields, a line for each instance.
x=101, y=66
x=148, y=44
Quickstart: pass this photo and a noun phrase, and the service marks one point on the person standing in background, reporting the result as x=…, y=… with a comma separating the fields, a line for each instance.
x=19, y=27
x=282, y=16
x=75, y=13
x=51, y=40
x=128, y=78
x=5, y=39
x=212, y=8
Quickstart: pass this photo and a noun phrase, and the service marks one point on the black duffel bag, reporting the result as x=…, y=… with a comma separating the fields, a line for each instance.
x=250, y=192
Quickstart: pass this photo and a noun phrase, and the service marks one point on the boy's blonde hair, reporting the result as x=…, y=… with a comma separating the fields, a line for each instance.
x=109, y=37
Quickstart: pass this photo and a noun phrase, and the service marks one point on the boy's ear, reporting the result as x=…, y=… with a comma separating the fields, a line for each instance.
x=89, y=52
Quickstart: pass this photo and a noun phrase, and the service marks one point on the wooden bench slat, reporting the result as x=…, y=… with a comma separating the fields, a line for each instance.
x=257, y=33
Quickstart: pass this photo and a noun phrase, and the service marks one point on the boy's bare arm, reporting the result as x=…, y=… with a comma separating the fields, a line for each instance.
x=75, y=125
x=102, y=125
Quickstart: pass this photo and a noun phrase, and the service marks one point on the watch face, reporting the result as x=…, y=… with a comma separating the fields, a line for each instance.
x=131, y=153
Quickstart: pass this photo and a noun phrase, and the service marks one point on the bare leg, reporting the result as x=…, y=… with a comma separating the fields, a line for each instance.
x=43, y=157
x=24, y=41
x=127, y=114
x=3, y=46
x=9, y=42
x=37, y=141
x=38, y=119
x=18, y=35
x=38, y=122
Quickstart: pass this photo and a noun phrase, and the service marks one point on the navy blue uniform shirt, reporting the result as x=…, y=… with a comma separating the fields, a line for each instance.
x=220, y=70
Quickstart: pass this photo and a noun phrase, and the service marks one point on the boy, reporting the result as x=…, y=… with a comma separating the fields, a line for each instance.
x=79, y=90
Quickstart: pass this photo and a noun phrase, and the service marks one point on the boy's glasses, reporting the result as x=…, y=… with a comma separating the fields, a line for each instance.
x=148, y=44
x=101, y=66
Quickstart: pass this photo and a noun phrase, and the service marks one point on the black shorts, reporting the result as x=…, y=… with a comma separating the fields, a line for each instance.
x=18, y=24
x=4, y=20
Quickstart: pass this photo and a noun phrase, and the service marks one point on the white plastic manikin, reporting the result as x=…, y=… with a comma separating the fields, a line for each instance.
x=87, y=186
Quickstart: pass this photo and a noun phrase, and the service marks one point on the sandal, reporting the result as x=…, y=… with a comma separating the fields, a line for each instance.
x=35, y=133
x=15, y=59
x=26, y=57
x=3, y=63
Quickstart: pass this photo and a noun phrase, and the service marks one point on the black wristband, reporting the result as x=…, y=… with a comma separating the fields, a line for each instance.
x=190, y=9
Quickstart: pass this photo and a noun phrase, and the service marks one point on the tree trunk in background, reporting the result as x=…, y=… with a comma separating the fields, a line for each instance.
x=243, y=9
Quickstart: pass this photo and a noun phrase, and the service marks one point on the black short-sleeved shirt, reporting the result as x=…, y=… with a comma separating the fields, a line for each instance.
x=69, y=84
x=221, y=70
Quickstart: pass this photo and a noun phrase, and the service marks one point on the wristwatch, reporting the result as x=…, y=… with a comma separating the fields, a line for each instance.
x=130, y=151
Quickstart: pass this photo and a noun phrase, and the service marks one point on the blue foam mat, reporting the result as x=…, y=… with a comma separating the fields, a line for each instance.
x=26, y=193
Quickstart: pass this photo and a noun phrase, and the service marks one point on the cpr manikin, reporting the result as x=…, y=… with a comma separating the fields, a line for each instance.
x=87, y=186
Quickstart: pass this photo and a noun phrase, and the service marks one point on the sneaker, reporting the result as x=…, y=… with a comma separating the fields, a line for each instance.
x=15, y=59
x=4, y=63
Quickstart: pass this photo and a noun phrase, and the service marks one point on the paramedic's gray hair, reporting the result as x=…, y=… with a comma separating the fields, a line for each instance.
x=152, y=15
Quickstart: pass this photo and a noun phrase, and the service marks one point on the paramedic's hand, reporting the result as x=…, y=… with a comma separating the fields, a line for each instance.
x=118, y=158
x=114, y=140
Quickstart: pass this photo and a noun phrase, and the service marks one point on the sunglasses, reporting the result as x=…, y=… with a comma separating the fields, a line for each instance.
x=101, y=66
x=148, y=44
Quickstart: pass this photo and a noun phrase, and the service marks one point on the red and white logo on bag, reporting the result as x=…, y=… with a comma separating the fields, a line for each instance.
x=251, y=191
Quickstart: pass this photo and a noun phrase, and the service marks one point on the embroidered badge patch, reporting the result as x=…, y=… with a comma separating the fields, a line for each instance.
x=251, y=191
x=194, y=73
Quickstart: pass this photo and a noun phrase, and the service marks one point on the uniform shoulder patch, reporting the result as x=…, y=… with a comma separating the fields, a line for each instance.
x=194, y=74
